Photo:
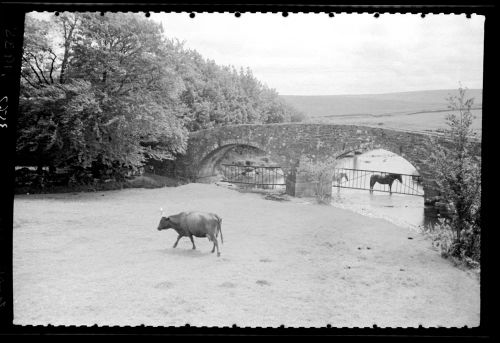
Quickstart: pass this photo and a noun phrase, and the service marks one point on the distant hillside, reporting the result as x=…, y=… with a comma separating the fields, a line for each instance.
x=376, y=104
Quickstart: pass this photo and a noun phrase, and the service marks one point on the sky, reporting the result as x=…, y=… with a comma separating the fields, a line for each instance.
x=314, y=54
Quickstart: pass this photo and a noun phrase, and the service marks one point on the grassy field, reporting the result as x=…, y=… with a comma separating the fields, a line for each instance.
x=415, y=111
x=420, y=122
x=376, y=104
x=97, y=258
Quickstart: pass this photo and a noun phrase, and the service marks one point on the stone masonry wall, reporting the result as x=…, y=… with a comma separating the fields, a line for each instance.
x=286, y=143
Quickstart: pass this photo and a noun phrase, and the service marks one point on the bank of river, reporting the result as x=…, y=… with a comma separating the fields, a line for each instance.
x=401, y=209
x=97, y=258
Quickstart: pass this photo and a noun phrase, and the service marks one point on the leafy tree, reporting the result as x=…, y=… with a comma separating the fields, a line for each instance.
x=68, y=25
x=112, y=107
x=458, y=171
x=103, y=94
x=216, y=96
x=127, y=59
x=39, y=61
x=57, y=125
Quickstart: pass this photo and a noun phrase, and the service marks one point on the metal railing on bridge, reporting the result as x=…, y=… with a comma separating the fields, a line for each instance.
x=360, y=179
x=257, y=176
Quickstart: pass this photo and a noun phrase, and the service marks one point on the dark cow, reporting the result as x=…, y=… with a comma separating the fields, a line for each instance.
x=198, y=224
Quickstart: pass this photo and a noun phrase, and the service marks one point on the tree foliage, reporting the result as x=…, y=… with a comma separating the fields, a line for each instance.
x=319, y=172
x=220, y=95
x=458, y=171
x=109, y=92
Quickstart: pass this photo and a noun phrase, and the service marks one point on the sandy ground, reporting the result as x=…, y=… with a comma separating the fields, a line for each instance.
x=97, y=258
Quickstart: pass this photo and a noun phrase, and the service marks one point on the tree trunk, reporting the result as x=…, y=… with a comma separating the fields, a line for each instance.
x=67, y=45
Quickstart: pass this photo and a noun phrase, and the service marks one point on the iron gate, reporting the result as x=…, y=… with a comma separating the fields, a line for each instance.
x=360, y=179
x=260, y=177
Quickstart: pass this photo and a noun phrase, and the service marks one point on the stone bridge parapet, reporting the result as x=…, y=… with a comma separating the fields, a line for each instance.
x=286, y=143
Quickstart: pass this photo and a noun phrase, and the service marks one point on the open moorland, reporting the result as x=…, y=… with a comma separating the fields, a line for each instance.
x=97, y=258
x=423, y=111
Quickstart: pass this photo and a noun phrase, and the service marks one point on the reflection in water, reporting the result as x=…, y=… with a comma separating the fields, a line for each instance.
x=405, y=210
x=263, y=177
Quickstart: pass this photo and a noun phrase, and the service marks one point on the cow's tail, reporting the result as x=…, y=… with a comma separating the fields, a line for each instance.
x=219, y=225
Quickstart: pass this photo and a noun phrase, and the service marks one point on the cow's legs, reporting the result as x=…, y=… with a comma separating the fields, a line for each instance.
x=217, y=246
x=177, y=241
x=192, y=241
x=213, y=239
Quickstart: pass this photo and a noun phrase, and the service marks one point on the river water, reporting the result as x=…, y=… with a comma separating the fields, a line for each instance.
x=404, y=210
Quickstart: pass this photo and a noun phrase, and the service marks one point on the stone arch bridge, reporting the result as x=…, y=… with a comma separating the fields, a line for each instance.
x=286, y=143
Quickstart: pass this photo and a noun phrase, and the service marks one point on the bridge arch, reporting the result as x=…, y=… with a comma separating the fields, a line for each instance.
x=412, y=159
x=212, y=158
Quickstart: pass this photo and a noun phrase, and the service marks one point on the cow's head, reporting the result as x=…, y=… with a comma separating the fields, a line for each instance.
x=164, y=221
x=164, y=224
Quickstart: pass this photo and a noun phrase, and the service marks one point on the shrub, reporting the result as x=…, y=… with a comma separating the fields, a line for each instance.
x=458, y=176
x=320, y=173
x=443, y=237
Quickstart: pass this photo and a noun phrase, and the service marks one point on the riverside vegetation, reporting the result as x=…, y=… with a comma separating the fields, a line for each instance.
x=458, y=172
x=103, y=95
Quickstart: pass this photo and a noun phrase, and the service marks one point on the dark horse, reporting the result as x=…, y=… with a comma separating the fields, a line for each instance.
x=385, y=179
